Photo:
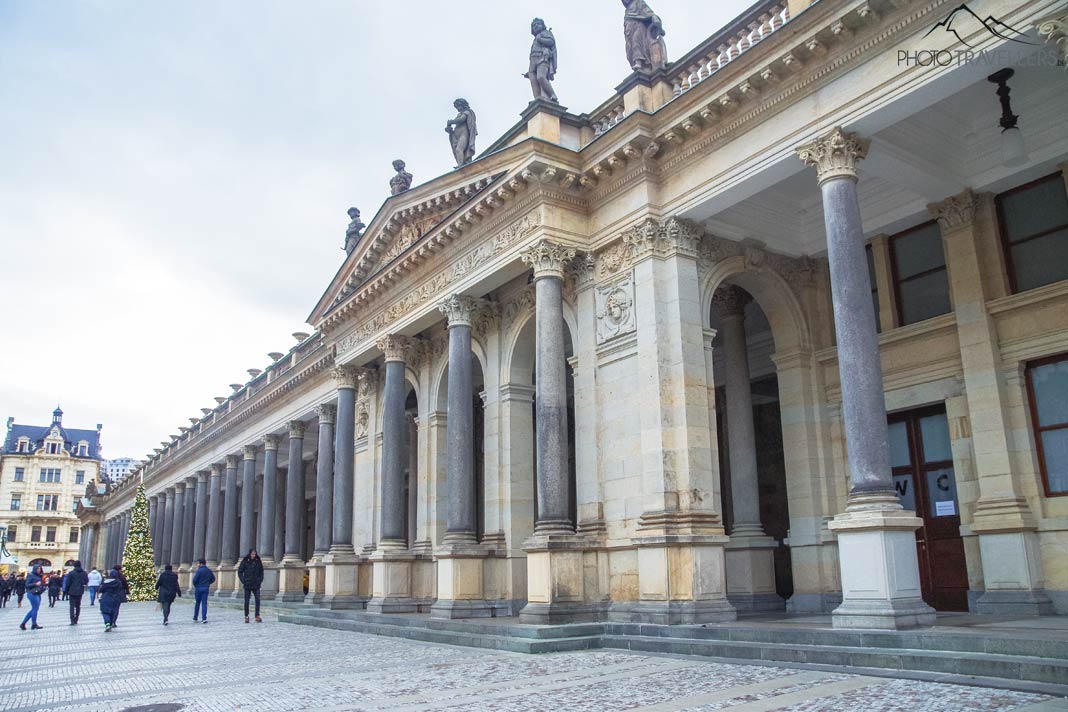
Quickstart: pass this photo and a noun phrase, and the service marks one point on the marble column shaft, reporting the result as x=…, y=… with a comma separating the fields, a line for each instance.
x=295, y=491
x=248, y=500
x=167, y=530
x=189, y=520
x=324, y=479
x=344, y=470
x=394, y=451
x=200, y=518
x=89, y=559
x=460, y=471
x=213, y=537
x=265, y=538
x=230, y=505
x=177, y=521
x=278, y=524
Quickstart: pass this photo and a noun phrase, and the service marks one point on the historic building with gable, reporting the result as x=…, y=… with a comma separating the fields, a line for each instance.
x=780, y=326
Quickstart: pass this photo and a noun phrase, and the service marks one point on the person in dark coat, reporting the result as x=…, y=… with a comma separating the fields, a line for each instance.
x=20, y=588
x=34, y=585
x=167, y=585
x=126, y=590
x=55, y=585
x=7, y=585
x=112, y=595
x=74, y=584
x=202, y=581
x=250, y=573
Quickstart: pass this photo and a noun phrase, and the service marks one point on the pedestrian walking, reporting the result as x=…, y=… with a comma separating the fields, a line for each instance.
x=167, y=585
x=34, y=585
x=55, y=583
x=202, y=581
x=95, y=579
x=250, y=573
x=74, y=584
x=112, y=595
x=117, y=568
x=20, y=588
x=7, y=585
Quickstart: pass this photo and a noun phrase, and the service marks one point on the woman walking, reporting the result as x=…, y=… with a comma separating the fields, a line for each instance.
x=95, y=579
x=112, y=594
x=20, y=588
x=34, y=586
x=250, y=572
x=7, y=585
x=167, y=585
x=55, y=586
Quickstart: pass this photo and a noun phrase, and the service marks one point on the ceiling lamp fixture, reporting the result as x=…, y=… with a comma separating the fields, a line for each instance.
x=1013, y=150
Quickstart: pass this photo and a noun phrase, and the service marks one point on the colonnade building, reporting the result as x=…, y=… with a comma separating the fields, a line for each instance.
x=783, y=326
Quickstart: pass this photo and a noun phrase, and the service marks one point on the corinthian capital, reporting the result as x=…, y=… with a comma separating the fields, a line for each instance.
x=729, y=301
x=345, y=376
x=395, y=347
x=956, y=211
x=270, y=441
x=249, y=452
x=217, y=469
x=548, y=259
x=232, y=461
x=296, y=429
x=459, y=308
x=327, y=413
x=835, y=155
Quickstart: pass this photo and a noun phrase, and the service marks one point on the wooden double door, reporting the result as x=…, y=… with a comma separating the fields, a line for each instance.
x=926, y=483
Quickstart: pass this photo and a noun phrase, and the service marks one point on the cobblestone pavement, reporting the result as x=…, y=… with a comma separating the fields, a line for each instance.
x=227, y=665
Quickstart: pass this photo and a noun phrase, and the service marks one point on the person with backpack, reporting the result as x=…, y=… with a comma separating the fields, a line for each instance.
x=250, y=573
x=167, y=585
x=74, y=584
x=34, y=586
x=95, y=579
x=202, y=581
x=112, y=595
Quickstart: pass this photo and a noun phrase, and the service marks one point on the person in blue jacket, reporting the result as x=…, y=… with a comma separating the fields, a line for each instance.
x=202, y=581
x=35, y=586
x=112, y=595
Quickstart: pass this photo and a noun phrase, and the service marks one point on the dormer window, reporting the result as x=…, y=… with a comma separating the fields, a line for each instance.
x=52, y=448
x=83, y=449
x=23, y=445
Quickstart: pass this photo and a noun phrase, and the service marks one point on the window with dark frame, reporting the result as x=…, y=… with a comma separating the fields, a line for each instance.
x=35, y=534
x=73, y=538
x=12, y=532
x=50, y=534
x=20, y=474
x=1047, y=390
x=1033, y=224
x=874, y=285
x=921, y=283
x=16, y=502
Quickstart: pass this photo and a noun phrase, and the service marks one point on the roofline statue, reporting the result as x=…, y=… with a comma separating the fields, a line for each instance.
x=543, y=61
x=462, y=132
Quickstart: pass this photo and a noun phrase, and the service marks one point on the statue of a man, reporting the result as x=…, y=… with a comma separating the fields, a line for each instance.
x=542, y=69
x=462, y=132
x=402, y=181
x=354, y=231
x=644, y=34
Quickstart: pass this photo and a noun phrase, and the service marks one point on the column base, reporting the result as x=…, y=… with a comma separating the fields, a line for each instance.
x=880, y=572
x=316, y=580
x=184, y=576
x=674, y=612
x=562, y=612
x=226, y=581
x=682, y=576
x=340, y=567
x=1012, y=570
x=556, y=581
x=460, y=583
x=269, y=587
x=290, y=580
x=813, y=602
x=1015, y=603
x=750, y=564
x=391, y=582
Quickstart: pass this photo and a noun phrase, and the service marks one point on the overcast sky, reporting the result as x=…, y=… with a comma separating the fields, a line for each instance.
x=174, y=176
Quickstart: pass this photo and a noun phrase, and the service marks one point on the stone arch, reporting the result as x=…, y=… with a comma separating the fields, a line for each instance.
x=517, y=348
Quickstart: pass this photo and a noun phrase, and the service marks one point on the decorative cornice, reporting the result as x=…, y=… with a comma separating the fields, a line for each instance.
x=296, y=429
x=270, y=442
x=955, y=212
x=459, y=308
x=327, y=413
x=835, y=155
x=548, y=259
x=729, y=302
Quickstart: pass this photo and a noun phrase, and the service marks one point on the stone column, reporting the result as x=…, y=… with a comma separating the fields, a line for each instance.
x=265, y=533
x=341, y=561
x=291, y=571
x=876, y=537
x=153, y=517
x=460, y=558
x=750, y=553
x=200, y=519
x=107, y=545
x=177, y=520
x=167, y=530
x=230, y=545
x=90, y=543
x=1013, y=578
x=213, y=537
x=391, y=573
x=248, y=500
x=189, y=522
x=324, y=495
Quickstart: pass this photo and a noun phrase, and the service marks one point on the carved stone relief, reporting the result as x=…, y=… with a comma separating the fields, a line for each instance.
x=614, y=303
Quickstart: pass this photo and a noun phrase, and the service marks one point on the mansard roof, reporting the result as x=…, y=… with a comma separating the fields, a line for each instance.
x=36, y=434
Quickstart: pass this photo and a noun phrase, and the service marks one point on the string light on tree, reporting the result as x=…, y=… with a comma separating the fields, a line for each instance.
x=138, y=563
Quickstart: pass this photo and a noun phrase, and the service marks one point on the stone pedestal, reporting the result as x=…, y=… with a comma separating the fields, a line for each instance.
x=269, y=588
x=226, y=581
x=1018, y=588
x=391, y=581
x=880, y=573
x=555, y=581
x=316, y=581
x=681, y=580
x=184, y=576
x=339, y=581
x=461, y=591
x=290, y=580
x=751, y=574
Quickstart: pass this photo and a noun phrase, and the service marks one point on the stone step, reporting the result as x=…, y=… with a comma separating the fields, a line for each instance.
x=1050, y=672
x=443, y=635
x=476, y=627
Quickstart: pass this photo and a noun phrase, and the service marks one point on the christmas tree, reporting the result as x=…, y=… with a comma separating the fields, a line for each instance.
x=137, y=560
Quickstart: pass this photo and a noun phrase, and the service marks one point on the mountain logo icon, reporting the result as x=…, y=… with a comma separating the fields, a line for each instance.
x=962, y=16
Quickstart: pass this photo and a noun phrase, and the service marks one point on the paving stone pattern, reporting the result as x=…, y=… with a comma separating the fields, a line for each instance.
x=228, y=665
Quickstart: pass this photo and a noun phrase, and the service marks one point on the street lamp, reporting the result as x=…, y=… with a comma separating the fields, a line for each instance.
x=1013, y=150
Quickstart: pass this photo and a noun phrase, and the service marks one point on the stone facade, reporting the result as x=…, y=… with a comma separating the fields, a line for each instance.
x=562, y=286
